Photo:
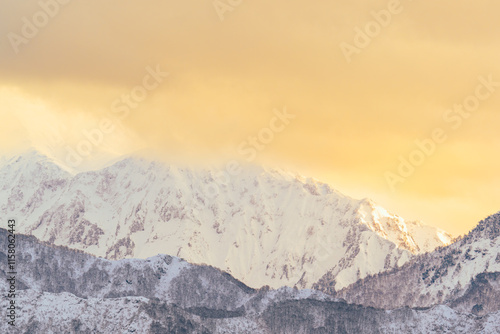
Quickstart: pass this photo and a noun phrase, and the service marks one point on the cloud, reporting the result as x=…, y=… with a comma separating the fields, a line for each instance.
x=226, y=77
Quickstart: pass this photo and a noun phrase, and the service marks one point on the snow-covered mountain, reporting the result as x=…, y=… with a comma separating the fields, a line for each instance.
x=265, y=227
x=66, y=291
x=465, y=275
x=53, y=313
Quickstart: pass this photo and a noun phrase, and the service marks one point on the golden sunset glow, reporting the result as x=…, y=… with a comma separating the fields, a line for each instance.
x=192, y=81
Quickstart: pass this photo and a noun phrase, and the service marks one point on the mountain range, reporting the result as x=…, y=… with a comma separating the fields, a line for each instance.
x=61, y=290
x=145, y=247
x=263, y=226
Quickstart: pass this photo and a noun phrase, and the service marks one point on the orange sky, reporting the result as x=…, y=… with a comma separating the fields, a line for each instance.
x=360, y=100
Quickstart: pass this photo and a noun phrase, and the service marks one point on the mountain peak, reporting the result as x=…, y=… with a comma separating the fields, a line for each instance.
x=412, y=236
x=30, y=154
x=31, y=160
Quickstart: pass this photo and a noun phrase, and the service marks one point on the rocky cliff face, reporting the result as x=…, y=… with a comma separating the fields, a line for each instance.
x=265, y=227
x=67, y=291
x=463, y=274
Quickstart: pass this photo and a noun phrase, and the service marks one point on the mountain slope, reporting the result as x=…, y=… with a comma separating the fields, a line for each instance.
x=464, y=274
x=65, y=313
x=265, y=227
x=47, y=268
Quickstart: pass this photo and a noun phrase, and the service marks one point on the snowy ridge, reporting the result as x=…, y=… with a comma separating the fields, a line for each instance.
x=58, y=269
x=265, y=227
x=410, y=235
x=465, y=274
